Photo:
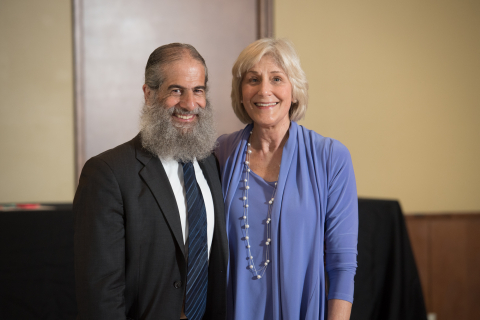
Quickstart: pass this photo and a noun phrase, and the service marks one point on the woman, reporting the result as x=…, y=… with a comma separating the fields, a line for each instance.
x=290, y=197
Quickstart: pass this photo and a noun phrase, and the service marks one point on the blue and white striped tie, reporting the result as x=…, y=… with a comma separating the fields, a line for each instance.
x=197, y=265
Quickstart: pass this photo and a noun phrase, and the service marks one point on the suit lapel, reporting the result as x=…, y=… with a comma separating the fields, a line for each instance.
x=155, y=177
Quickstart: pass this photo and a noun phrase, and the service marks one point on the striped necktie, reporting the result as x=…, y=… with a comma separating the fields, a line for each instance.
x=197, y=265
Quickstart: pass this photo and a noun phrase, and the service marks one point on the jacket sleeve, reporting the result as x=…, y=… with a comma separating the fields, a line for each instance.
x=341, y=224
x=99, y=244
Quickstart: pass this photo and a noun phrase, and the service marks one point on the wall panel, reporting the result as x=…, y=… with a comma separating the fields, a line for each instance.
x=114, y=40
x=446, y=249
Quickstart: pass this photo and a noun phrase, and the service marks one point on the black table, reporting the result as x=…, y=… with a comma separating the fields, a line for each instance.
x=37, y=278
x=387, y=285
x=36, y=269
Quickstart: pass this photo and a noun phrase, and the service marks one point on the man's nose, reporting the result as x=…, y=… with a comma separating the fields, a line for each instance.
x=187, y=101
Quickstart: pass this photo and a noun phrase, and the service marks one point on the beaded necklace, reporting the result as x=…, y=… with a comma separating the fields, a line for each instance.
x=259, y=270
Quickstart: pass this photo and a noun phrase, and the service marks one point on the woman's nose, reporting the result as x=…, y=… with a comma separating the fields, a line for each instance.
x=265, y=88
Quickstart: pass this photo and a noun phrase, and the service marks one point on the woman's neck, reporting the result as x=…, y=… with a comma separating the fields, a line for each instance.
x=269, y=139
x=266, y=145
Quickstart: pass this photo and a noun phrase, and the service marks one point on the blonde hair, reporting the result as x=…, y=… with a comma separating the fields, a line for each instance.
x=282, y=51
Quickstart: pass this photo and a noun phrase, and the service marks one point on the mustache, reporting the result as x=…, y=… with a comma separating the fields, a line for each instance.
x=182, y=111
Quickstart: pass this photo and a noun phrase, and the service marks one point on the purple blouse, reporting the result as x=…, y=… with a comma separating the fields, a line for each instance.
x=314, y=228
x=257, y=303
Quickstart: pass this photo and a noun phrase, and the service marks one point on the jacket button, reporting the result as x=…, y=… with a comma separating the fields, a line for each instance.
x=177, y=284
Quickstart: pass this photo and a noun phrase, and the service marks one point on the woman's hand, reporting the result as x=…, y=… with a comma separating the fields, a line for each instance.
x=339, y=309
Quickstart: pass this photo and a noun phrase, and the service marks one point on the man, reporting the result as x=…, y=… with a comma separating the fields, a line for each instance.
x=150, y=240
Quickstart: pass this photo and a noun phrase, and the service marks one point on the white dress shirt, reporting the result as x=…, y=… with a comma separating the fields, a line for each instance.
x=174, y=172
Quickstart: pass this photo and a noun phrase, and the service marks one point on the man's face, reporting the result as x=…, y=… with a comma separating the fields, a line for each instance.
x=182, y=93
x=177, y=120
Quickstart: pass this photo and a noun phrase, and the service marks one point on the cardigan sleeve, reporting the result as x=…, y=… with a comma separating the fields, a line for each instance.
x=341, y=225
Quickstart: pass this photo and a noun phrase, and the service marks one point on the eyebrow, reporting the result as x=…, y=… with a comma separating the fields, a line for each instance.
x=253, y=71
x=177, y=86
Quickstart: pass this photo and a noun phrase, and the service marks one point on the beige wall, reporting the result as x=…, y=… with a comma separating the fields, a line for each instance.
x=398, y=82
x=36, y=101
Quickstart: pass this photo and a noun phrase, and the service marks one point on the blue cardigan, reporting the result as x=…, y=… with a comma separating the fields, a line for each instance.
x=315, y=216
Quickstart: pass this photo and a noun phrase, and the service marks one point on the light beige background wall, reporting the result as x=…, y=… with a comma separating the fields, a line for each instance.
x=398, y=82
x=36, y=101
x=395, y=82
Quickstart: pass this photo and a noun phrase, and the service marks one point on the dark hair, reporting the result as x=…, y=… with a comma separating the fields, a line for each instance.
x=164, y=55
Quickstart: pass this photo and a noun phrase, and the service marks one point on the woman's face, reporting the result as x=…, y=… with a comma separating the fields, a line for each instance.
x=267, y=93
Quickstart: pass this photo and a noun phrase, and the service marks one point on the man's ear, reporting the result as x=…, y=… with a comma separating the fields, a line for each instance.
x=147, y=93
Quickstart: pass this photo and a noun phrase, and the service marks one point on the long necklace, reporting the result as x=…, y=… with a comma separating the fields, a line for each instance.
x=257, y=270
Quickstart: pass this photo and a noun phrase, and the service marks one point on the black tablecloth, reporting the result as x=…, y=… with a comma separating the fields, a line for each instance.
x=36, y=268
x=387, y=285
x=37, y=278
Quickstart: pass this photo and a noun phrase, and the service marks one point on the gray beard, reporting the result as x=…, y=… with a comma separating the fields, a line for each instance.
x=167, y=140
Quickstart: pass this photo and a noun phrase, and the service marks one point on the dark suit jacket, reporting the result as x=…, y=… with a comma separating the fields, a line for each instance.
x=129, y=250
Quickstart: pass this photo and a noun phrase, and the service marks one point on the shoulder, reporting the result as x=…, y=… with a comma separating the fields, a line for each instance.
x=116, y=158
x=121, y=151
x=227, y=143
x=327, y=147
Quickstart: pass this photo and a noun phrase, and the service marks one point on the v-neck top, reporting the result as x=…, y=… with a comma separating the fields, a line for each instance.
x=254, y=296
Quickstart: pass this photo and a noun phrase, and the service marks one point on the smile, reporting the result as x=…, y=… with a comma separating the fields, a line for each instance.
x=269, y=104
x=185, y=117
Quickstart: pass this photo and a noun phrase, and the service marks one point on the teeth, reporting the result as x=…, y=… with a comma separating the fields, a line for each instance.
x=266, y=104
x=186, y=117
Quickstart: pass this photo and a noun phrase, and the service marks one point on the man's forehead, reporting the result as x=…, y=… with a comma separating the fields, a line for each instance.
x=182, y=62
x=185, y=70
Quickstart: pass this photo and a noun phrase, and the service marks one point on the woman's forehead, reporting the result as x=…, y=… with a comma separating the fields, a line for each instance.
x=266, y=63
